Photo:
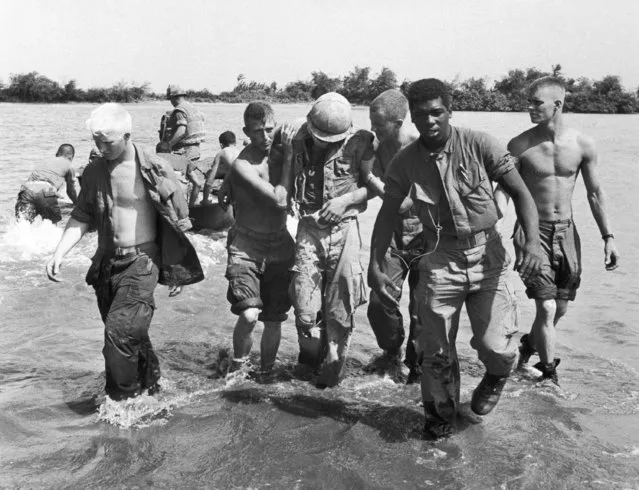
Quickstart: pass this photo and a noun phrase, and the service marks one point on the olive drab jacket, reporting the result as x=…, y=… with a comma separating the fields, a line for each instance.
x=195, y=131
x=461, y=173
x=179, y=263
x=342, y=168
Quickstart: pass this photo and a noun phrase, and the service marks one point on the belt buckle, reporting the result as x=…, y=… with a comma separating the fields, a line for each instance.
x=122, y=251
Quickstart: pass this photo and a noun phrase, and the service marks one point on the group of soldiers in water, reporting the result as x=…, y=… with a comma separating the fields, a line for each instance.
x=444, y=192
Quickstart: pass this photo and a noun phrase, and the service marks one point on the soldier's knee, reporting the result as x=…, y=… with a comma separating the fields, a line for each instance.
x=547, y=307
x=250, y=315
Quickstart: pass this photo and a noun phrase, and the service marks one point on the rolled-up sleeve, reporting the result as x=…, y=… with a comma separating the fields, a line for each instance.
x=84, y=209
x=397, y=181
x=180, y=119
x=497, y=161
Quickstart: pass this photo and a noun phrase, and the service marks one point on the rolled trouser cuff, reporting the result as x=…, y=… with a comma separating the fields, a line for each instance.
x=245, y=304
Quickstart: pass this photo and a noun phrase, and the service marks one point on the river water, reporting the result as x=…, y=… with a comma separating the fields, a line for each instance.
x=205, y=431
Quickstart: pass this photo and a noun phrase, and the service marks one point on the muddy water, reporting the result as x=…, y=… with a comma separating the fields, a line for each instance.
x=203, y=430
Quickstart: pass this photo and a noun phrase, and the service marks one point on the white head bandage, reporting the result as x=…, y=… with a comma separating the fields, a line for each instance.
x=109, y=119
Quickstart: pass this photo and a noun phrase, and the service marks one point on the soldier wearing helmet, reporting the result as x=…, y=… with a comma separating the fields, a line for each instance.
x=184, y=133
x=331, y=164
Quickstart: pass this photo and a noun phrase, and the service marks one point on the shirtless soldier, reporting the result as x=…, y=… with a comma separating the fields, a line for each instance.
x=40, y=193
x=223, y=160
x=550, y=157
x=133, y=199
x=389, y=121
x=260, y=249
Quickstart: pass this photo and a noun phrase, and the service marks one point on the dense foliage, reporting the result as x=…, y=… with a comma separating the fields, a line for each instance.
x=33, y=87
x=358, y=86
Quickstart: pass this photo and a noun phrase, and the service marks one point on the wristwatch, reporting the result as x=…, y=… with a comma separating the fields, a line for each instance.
x=605, y=237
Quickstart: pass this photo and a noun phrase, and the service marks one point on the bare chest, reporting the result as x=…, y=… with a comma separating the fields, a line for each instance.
x=263, y=170
x=127, y=185
x=549, y=159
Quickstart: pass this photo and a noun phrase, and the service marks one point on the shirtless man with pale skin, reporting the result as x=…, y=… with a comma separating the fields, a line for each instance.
x=550, y=158
x=389, y=121
x=132, y=198
x=223, y=160
x=134, y=219
x=260, y=249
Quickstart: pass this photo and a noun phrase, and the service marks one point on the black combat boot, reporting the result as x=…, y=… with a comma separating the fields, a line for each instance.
x=436, y=426
x=548, y=370
x=525, y=351
x=487, y=393
x=414, y=375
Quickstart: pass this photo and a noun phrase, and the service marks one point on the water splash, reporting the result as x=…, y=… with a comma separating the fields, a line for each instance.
x=211, y=247
x=141, y=411
x=145, y=410
x=239, y=376
x=631, y=452
x=24, y=241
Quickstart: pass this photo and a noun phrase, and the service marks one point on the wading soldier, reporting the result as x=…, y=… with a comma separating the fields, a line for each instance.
x=330, y=166
x=39, y=195
x=388, y=115
x=447, y=173
x=260, y=249
x=133, y=199
x=550, y=157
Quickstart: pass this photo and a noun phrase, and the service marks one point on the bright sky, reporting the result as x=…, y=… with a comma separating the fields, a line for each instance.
x=206, y=44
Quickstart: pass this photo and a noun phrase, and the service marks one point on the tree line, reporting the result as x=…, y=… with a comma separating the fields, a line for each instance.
x=359, y=86
x=33, y=87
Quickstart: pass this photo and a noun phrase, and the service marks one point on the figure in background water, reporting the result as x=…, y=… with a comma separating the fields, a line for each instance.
x=330, y=166
x=183, y=132
x=447, y=174
x=223, y=160
x=388, y=115
x=550, y=157
x=131, y=196
x=39, y=195
x=260, y=249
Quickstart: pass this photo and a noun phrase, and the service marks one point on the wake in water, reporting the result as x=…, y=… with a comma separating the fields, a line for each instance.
x=146, y=410
x=25, y=241
x=141, y=411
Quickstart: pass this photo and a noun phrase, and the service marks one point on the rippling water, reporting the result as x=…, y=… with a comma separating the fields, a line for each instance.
x=56, y=430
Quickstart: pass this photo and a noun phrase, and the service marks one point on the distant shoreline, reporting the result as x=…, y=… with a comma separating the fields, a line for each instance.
x=301, y=103
x=510, y=94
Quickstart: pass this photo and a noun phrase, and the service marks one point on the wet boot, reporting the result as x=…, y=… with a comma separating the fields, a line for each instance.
x=436, y=426
x=525, y=351
x=309, y=355
x=394, y=353
x=154, y=388
x=312, y=342
x=437, y=431
x=330, y=374
x=332, y=371
x=384, y=363
x=487, y=393
x=414, y=374
x=238, y=363
x=548, y=370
